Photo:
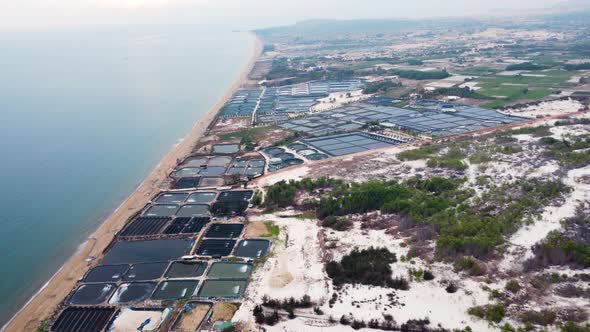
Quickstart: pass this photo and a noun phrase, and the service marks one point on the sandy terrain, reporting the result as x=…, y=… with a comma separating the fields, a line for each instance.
x=44, y=303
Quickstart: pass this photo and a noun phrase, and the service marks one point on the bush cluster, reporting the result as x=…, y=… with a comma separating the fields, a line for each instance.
x=368, y=267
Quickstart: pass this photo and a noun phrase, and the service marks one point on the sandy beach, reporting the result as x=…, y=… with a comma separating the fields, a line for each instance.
x=43, y=304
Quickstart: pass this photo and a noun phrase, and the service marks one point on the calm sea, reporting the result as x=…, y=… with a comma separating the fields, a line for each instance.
x=84, y=117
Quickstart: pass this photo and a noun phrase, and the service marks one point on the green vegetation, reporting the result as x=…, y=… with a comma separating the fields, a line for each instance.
x=422, y=152
x=288, y=73
x=248, y=136
x=465, y=92
x=544, y=317
x=469, y=266
x=338, y=224
x=513, y=286
x=272, y=230
x=574, y=252
x=493, y=313
x=538, y=131
x=450, y=160
x=580, y=66
x=414, y=62
x=43, y=326
x=256, y=199
x=282, y=194
x=525, y=66
x=420, y=75
x=383, y=86
x=368, y=267
x=464, y=228
x=573, y=327
x=571, y=153
x=477, y=71
x=526, y=86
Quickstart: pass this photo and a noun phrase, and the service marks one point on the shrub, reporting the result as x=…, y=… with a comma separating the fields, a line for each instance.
x=338, y=224
x=495, y=313
x=368, y=267
x=513, y=286
x=451, y=288
x=344, y=320
x=427, y=275
x=544, y=317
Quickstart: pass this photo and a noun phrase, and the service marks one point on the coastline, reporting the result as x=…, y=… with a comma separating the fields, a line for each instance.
x=51, y=294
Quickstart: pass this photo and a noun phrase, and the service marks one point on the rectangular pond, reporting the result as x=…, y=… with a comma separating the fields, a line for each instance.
x=171, y=198
x=132, y=292
x=203, y=197
x=145, y=271
x=161, y=210
x=106, y=273
x=230, y=270
x=145, y=226
x=129, y=252
x=222, y=288
x=252, y=248
x=224, y=231
x=183, y=269
x=83, y=319
x=175, y=289
x=91, y=294
x=215, y=248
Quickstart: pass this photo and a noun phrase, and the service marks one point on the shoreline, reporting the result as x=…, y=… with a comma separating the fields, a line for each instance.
x=43, y=303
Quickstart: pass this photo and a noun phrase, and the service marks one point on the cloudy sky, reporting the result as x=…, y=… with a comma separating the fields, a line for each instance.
x=242, y=14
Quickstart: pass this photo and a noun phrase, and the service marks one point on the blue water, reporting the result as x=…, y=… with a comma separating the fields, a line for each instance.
x=84, y=117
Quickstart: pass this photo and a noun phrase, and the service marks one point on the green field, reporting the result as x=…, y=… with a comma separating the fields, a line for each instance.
x=510, y=88
x=477, y=71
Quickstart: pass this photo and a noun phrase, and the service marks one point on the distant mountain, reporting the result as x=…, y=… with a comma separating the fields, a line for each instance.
x=330, y=26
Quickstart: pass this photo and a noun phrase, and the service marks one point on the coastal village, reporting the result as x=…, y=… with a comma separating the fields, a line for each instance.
x=412, y=178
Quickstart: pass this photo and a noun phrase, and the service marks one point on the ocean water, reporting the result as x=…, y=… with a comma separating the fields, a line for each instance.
x=84, y=116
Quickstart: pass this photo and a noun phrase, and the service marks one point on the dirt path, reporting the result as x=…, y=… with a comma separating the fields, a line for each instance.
x=59, y=286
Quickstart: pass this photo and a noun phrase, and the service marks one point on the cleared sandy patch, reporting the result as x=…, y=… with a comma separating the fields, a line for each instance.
x=223, y=311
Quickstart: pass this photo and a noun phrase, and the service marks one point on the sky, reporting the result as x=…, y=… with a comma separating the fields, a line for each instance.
x=242, y=14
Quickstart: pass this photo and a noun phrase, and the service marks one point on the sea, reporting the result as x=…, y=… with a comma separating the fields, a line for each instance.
x=85, y=115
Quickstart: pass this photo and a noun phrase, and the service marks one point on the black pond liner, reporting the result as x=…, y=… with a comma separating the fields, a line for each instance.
x=130, y=252
x=235, y=196
x=252, y=248
x=87, y=319
x=215, y=248
x=317, y=156
x=171, y=198
x=201, y=197
x=191, y=182
x=186, y=225
x=175, y=289
x=224, y=231
x=227, y=208
x=89, y=294
x=186, y=269
x=145, y=226
x=213, y=171
x=106, y=273
x=284, y=156
x=273, y=151
x=133, y=292
x=161, y=210
x=193, y=210
x=145, y=271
